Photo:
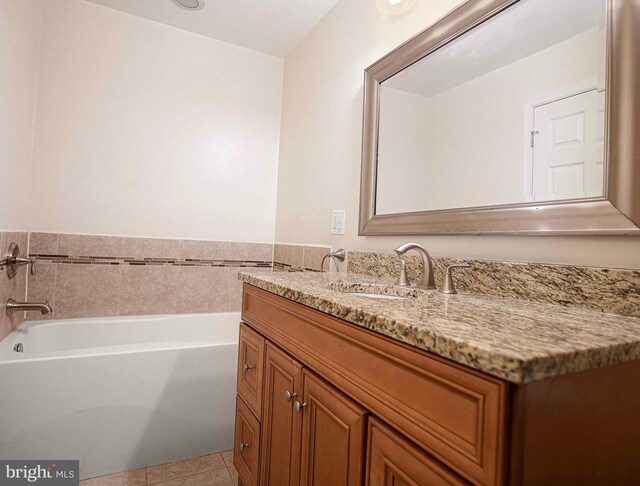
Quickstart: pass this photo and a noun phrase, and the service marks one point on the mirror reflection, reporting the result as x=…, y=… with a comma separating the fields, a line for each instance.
x=511, y=112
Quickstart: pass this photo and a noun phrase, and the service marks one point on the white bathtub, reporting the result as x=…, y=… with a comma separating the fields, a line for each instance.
x=119, y=393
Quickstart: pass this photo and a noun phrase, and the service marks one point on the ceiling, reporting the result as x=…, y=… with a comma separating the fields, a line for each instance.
x=522, y=30
x=270, y=26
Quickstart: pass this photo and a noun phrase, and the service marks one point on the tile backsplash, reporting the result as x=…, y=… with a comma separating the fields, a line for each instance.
x=297, y=258
x=91, y=276
x=615, y=291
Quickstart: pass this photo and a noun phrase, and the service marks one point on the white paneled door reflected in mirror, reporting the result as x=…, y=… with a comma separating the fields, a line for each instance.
x=511, y=112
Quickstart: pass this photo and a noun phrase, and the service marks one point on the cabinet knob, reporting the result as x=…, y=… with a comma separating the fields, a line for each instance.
x=288, y=396
x=243, y=446
x=247, y=367
x=299, y=407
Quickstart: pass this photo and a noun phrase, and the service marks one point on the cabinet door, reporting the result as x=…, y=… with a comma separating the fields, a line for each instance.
x=250, y=368
x=394, y=461
x=333, y=428
x=280, y=424
x=246, y=448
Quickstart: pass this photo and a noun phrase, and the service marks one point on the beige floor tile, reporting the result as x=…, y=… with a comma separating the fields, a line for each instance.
x=234, y=474
x=129, y=478
x=219, y=477
x=186, y=467
x=228, y=457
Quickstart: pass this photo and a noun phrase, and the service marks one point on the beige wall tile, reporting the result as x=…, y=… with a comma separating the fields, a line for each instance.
x=250, y=251
x=229, y=290
x=89, y=245
x=87, y=290
x=148, y=289
x=186, y=467
x=91, y=290
x=43, y=243
x=41, y=287
x=207, y=289
x=136, y=477
x=225, y=250
x=288, y=254
x=204, y=250
x=192, y=249
x=313, y=255
x=150, y=248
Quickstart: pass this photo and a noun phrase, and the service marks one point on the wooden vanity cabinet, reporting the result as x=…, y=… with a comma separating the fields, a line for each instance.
x=326, y=403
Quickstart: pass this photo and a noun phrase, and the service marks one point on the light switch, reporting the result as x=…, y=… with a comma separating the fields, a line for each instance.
x=337, y=221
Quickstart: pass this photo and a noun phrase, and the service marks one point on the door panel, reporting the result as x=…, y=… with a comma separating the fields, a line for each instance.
x=566, y=155
x=394, y=461
x=281, y=425
x=333, y=429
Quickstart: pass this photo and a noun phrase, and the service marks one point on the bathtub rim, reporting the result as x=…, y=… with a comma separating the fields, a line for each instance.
x=7, y=344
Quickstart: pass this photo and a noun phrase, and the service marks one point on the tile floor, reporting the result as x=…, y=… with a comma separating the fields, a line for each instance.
x=210, y=470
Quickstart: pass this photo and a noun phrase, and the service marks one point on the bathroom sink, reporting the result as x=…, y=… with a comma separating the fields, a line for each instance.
x=374, y=295
x=381, y=291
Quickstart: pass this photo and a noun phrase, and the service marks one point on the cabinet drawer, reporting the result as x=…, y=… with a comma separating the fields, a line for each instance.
x=457, y=414
x=394, y=461
x=246, y=450
x=251, y=368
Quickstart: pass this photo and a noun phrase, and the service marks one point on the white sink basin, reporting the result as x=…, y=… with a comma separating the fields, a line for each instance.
x=373, y=295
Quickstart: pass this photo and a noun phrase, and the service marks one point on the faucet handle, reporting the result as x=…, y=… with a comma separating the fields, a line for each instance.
x=447, y=286
x=27, y=261
x=402, y=278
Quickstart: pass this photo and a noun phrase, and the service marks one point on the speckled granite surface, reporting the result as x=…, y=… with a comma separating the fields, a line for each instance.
x=512, y=339
x=614, y=291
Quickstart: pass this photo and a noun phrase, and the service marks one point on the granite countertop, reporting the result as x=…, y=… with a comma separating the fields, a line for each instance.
x=512, y=339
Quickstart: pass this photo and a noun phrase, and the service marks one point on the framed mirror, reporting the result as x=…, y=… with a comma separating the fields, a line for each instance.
x=507, y=117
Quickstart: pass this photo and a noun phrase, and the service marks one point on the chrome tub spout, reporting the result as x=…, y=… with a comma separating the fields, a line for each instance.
x=42, y=307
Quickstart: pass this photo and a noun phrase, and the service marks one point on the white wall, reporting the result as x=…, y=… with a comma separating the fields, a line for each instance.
x=20, y=23
x=321, y=135
x=147, y=130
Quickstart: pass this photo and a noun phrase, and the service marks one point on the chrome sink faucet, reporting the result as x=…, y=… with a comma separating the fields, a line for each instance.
x=426, y=280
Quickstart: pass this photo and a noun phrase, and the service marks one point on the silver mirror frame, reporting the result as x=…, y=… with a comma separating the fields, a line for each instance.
x=617, y=213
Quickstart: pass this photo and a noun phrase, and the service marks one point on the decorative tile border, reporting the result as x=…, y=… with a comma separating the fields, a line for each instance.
x=188, y=262
x=612, y=291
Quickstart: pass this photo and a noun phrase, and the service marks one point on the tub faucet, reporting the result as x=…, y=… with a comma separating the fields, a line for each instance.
x=13, y=306
x=426, y=280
